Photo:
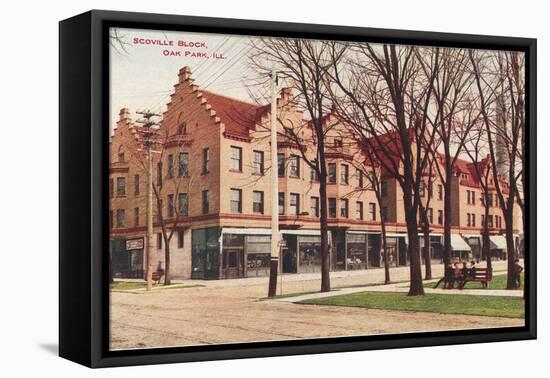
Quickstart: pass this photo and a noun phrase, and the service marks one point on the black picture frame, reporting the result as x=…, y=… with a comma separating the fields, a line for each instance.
x=83, y=197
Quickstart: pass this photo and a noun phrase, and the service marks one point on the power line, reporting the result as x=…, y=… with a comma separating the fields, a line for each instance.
x=229, y=64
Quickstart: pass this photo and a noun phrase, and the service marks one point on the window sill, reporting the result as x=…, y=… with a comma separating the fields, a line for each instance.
x=235, y=171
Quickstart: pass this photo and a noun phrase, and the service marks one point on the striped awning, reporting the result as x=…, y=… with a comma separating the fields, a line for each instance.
x=498, y=242
x=459, y=244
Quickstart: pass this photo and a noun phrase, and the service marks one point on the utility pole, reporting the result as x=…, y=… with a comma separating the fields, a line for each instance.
x=274, y=261
x=150, y=129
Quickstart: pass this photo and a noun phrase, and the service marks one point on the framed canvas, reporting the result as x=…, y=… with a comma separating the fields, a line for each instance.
x=236, y=188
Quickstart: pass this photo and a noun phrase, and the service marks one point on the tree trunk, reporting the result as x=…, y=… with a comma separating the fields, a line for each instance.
x=510, y=250
x=416, y=286
x=486, y=240
x=111, y=279
x=167, y=279
x=387, y=278
x=447, y=211
x=325, y=251
x=427, y=257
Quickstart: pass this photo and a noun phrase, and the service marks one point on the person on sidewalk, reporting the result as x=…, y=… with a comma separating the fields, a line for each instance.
x=517, y=273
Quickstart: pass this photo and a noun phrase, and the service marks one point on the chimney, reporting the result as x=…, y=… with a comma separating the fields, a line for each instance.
x=124, y=115
x=184, y=74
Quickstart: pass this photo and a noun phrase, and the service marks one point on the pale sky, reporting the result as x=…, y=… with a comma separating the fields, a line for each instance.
x=141, y=77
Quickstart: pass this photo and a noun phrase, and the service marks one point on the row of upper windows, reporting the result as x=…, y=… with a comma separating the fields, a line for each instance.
x=182, y=209
x=471, y=220
x=258, y=203
x=295, y=206
x=121, y=186
x=294, y=209
x=121, y=223
x=430, y=214
x=292, y=166
x=429, y=186
x=492, y=198
x=258, y=166
x=183, y=171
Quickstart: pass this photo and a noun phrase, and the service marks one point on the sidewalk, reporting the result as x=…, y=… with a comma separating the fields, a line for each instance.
x=303, y=281
x=403, y=288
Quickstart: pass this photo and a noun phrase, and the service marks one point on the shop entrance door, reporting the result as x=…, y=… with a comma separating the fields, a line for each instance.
x=392, y=255
x=393, y=252
x=233, y=263
x=289, y=261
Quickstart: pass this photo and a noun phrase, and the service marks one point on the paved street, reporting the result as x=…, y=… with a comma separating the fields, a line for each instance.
x=232, y=311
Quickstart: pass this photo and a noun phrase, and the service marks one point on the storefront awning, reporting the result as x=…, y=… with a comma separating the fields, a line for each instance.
x=392, y=235
x=267, y=231
x=459, y=244
x=247, y=231
x=471, y=235
x=302, y=232
x=498, y=242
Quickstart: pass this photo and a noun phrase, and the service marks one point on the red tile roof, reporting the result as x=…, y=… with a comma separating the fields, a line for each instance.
x=238, y=116
x=469, y=169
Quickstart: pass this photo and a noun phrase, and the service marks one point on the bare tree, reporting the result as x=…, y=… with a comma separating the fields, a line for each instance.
x=426, y=215
x=170, y=185
x=385, y=95
x=118, y=41
x=303, y=65
x=374, y=177
x=499, y=77
x=476, y=149
x=451, y=96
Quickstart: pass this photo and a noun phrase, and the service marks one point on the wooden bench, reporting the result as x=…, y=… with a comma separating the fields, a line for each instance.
x=483, y=275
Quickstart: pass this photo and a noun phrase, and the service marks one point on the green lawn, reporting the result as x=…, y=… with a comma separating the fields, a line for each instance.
x=508, y=307
x=124, y=285
x=497, y=283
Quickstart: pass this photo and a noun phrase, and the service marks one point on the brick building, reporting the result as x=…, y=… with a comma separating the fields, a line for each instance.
x=212, y=174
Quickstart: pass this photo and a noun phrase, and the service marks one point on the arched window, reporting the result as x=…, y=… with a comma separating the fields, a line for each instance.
x=182, y=125
x=121, y=154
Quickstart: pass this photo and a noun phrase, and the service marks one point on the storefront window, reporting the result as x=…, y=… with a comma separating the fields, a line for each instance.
x=233, y=240
x=205, y=253
x=258, y=249
x=357, y=251
x=310, y=253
